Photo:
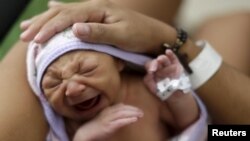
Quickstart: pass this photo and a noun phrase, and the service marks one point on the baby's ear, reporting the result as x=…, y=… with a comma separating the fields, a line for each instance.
x=120, y=64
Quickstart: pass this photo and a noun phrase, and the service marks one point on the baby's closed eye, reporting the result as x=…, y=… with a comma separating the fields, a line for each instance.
x=86, y=69
x=49, y=82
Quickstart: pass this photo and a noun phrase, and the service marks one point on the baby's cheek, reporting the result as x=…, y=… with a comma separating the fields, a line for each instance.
x=113, y=87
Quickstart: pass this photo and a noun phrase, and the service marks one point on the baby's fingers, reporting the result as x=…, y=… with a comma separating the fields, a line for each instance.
x=150, y=82
x=123, y=122
x=118, y=111
x=126, y=112
x=125, y=116
x=163, y=61
x=172, y=57
x=172, y=71
x=122, y=107
x=151, y=66
x=166, y=72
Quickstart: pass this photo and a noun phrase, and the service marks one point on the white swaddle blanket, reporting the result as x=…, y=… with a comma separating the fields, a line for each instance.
x=39, y=57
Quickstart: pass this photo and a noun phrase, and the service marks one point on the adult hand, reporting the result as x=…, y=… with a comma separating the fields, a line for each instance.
x=101, y=21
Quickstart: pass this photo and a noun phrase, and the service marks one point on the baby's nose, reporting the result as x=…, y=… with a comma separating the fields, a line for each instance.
x=74, y=88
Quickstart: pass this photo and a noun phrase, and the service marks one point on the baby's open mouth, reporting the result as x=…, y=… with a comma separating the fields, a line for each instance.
x=88, y=104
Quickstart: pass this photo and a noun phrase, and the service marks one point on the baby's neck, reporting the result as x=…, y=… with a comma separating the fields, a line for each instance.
x=131, y=84
x=71, y=127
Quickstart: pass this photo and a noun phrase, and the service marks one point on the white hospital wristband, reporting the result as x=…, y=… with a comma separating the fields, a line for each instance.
x=205, y=65
x=167, y=86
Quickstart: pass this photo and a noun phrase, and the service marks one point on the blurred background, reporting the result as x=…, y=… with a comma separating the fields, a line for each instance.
x=12, y=12
x=9, y=12
x=193, y=13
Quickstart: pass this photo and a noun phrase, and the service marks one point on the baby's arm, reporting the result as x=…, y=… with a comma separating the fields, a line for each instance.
x=107, y=122
x=183, y=106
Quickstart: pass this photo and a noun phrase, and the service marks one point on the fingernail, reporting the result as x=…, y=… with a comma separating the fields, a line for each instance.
x=82, y=30
x=153, y=68
x=24, y=34
x=38, y=37
x=25, y=23
x=134, y=119
x=141, y=114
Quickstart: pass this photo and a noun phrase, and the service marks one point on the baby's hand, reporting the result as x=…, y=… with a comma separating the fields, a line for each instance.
x=163, y=66
x=107, y=122
x=183, y=106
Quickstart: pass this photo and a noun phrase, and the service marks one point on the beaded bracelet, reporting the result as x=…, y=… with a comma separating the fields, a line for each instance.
x=182, y=37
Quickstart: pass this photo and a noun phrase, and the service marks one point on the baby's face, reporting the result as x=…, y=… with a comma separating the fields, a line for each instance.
x=79, y=84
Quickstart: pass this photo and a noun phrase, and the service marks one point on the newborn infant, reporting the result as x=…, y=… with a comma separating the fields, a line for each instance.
x=95, y=92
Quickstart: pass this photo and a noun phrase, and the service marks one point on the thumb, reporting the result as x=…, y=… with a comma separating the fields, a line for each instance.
x=97, y=33
x=150, y=83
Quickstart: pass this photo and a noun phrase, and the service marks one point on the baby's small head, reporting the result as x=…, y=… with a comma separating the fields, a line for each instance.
x=79, y=79
x=79, y=84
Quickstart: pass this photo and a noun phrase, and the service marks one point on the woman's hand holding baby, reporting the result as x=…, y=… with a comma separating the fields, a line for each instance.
x=100, y=21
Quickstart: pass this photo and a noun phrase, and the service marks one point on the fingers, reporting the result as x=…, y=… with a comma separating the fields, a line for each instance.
x=25, y=24
x=163, y=61
x=58, y=23
x=53, y=26
x=151, y=66
x=120, y=109
x=170, y=71
x=160, y=67
x=108, y=122
x=123, y=122
x=172, y=57
x=150, y=82
x=97, y=33
x=123, y=115
x=169, y=65
x=33, y=29
x=81, y=30
x=65, y=16
x=157, y=64
x=57, y=18
x=175, y=61
x=127, y=113
x=163, y=66
x=117, y=116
